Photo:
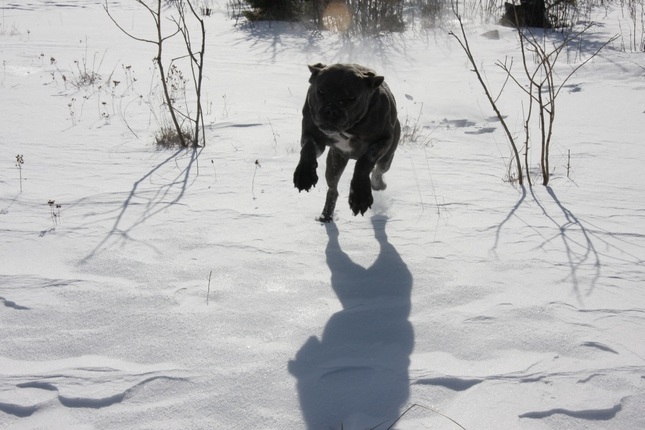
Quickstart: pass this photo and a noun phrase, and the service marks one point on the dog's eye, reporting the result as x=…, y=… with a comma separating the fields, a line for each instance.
x=320, y=92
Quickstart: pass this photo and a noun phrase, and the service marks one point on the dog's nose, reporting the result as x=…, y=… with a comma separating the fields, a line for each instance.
x=332, y=113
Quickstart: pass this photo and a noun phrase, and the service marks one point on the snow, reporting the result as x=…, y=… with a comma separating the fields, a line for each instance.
x=194, y=288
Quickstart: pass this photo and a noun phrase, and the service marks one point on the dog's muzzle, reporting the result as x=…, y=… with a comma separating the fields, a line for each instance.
x=332, y=120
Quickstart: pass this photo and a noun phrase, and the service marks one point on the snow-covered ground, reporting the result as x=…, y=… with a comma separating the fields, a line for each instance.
x=195, y=290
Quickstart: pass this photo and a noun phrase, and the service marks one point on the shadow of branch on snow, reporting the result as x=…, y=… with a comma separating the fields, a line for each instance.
x=5, y=210
x=511, y=214
x=577, y=240
x=356, y=374
x=586, y=249
x=162, y=198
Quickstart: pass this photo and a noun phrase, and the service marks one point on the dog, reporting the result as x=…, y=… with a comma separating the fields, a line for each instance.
x=351, y=110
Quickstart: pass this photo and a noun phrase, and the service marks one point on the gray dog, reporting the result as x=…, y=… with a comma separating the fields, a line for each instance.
x=350, y=109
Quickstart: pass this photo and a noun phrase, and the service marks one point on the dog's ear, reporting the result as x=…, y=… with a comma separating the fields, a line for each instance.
x=315, y=70
x=373, y=81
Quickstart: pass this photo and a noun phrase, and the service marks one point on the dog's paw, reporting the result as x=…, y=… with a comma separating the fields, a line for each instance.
x=325, y=218
x=360, y=195
x=305, y=176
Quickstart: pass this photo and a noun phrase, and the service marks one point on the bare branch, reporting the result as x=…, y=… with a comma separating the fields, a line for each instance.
x=466, y=48
x=508, y=76
x=591, y=57
x=124, y=31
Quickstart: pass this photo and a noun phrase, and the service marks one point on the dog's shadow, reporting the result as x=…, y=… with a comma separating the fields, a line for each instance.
x=356, y=376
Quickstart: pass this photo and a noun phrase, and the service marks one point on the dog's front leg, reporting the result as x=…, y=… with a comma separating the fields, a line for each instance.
x=336, y=163
x=312, y=145
x=305, y=175
x=360, y=191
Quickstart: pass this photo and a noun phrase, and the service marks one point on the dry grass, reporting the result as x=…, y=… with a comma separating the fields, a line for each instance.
x=168, y=138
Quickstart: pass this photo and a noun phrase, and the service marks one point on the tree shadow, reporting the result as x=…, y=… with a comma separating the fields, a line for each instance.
x=356, y=375
x=577, y=43
x=578, y=252
x=165, y=196
x=498, y=232
x=270, y=39
x=578, y=241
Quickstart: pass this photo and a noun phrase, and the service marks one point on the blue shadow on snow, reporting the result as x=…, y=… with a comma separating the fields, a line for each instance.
x=356, y=376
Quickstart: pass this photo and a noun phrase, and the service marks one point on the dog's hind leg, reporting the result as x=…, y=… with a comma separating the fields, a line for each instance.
x=336, y=163
x=377, y=182
x=383, y=165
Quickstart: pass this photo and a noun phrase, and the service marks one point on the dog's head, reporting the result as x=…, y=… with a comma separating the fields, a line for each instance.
x=340, y=95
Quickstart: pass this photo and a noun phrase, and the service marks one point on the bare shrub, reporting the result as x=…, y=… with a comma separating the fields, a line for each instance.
x=169, y=72
x=540, y=83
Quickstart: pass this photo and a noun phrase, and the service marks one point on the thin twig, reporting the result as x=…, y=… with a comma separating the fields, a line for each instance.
x=257, y=164
x=208, y=292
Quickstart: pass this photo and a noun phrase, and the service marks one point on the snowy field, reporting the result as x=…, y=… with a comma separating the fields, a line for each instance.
x=193, y=289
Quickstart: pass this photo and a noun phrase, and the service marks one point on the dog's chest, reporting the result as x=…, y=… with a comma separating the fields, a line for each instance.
x=342, y=142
